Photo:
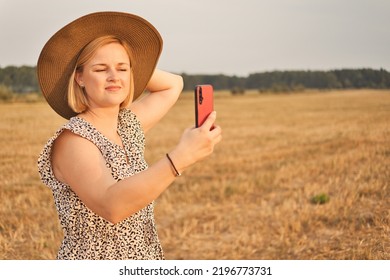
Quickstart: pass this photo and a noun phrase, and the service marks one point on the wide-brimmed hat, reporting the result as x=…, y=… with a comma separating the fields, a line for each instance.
x=58, y=57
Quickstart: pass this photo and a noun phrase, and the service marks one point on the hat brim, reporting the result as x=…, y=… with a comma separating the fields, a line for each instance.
x=59, y=55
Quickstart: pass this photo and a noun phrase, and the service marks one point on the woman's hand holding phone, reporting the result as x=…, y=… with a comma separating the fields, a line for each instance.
x=197, y=143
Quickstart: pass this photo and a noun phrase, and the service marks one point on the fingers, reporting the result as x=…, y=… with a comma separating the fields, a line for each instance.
x=216, y=134
x=209, y=122
x=197, y=143
x=214, y=131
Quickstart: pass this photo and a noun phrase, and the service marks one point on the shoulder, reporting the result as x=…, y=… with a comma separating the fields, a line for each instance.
x=71, y=154
x=128, y=119
x=69, y=139
x=71, y=144
x=126, y=113
x=70, y=148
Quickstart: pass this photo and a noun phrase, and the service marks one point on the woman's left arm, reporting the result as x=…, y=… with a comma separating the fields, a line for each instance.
x=164, y=89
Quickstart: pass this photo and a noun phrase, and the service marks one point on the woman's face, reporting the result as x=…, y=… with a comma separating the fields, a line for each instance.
x=106, y=77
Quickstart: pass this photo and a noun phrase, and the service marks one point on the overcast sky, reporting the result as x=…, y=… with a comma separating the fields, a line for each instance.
x=233, y=37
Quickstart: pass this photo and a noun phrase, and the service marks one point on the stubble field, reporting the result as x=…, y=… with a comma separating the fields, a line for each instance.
x=257, y=197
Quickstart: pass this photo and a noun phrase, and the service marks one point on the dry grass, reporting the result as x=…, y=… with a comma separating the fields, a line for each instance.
x=252, y=198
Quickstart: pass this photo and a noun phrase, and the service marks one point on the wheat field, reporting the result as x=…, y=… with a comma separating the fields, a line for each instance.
x=297, y=176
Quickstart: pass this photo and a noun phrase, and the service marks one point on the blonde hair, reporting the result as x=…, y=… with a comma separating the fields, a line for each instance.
x=77, y=99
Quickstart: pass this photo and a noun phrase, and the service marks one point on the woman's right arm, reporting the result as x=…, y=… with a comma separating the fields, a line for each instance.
x=78, y=163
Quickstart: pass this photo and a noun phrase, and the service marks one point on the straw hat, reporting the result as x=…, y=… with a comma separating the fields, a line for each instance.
x=59, y=55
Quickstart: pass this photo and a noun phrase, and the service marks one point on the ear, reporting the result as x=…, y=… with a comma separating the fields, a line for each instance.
x=79, y=79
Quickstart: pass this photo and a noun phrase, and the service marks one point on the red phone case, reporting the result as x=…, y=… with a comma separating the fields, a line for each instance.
x=204, y=103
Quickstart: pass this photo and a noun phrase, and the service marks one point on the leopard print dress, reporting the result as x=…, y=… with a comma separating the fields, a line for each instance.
x=86, y=234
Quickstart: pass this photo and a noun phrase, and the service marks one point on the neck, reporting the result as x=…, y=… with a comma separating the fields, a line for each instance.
x=105, y=120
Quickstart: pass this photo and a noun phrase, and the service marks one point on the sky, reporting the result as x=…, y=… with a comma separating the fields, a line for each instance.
x=231, y=37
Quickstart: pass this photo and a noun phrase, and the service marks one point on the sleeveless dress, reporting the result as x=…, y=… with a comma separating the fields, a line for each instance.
x=86, y=234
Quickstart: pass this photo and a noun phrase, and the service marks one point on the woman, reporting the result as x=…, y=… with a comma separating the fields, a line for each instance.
x=90, y=72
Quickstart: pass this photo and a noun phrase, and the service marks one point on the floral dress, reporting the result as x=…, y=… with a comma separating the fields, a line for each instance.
x=86, y=234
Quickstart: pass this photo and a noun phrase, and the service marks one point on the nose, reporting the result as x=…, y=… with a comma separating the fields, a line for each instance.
x=113, y=75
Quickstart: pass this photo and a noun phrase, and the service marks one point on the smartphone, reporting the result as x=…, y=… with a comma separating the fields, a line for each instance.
x=204, y=103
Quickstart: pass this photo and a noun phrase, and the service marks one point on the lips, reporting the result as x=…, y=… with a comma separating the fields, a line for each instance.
x=113, y=88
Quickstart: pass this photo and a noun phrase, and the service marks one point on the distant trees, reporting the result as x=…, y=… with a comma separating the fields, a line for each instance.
x=218, y=81
x=19, y=79
x=5, y=93
x=23, y=79
x=363, y=78
x=290, y=81
x=334, y=79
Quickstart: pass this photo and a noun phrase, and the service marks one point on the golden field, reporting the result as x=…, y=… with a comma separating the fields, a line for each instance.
x=253, y=198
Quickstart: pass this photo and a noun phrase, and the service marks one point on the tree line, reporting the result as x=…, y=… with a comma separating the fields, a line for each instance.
x=23, y=79
x=287, y=81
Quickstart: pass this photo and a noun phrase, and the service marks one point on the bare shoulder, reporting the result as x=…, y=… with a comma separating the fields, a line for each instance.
x=68, y=143
x=72, y=153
